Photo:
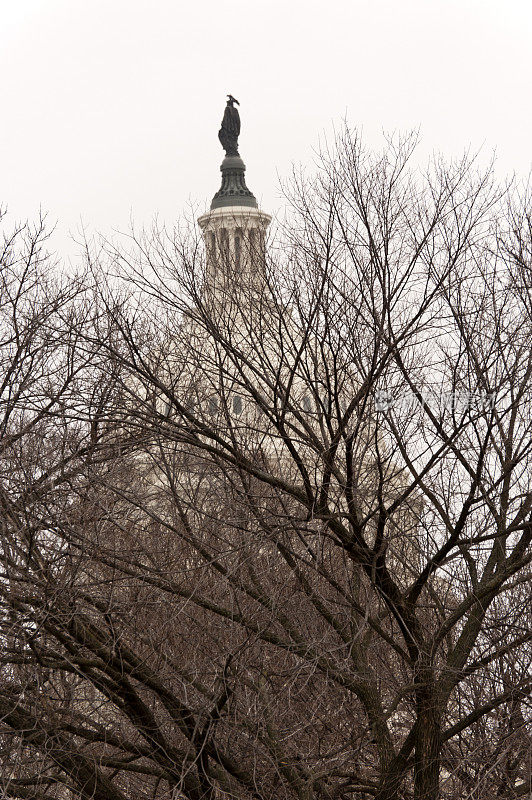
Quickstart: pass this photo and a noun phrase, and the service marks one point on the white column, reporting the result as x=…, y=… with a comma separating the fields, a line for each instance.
x=235, y=239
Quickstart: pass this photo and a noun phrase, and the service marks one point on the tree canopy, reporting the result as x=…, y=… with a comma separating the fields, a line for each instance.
x=276, y=544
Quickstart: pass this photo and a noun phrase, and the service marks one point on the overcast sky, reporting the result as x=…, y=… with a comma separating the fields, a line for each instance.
x=111, y=108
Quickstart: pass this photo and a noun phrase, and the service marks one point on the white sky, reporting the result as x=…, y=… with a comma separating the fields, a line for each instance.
x=111, y=108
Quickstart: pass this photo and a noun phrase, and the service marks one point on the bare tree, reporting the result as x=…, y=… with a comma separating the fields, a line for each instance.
x=294, y=560
x=49, y=402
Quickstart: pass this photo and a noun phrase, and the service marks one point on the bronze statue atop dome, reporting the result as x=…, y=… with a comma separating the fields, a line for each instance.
x=228, y=133
x=233, y=191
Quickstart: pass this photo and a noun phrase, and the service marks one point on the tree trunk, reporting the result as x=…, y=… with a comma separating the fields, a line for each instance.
x=427, y=747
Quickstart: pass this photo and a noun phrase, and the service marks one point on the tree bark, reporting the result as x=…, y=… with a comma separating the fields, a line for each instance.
x=428, y=738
